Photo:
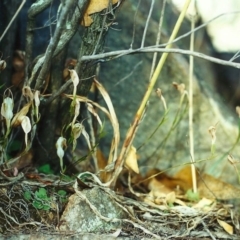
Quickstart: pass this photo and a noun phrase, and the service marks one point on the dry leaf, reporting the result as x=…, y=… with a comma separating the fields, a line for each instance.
x=170, y=198
x=205, y=205
x=94, y=7
x=23, y=112
x=27, y=93
x=184, y=177
x=76, y=132
x=158, y=188
x=211, y=187
x=227, y=227
x=94, y=113
x=110, y=114
x=114, y=121
x=131, y=160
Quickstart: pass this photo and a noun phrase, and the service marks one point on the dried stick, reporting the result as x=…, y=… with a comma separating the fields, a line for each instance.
x=158, y=37
x=13, y=18
x=147, y=23
x=134, y=24
x=54, y=42
x=120, y=53
x=190, y=97
x=34, y=10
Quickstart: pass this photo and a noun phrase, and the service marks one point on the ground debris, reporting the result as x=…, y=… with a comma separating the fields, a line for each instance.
x=137, y=219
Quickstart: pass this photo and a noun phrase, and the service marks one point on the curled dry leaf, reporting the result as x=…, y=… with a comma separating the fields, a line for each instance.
x=76, y=131
x=76, y=104
x=110, y=114
x=205, y=205
x=159, y=94
x=114, y=122
x=131, y=160
x=27, y=92
x=180, y=87
x=23, y=112
x=212, y=132
x=94, y=7
x=69, y=64
x=227, y=227
x=85, y=134
x=94, y=113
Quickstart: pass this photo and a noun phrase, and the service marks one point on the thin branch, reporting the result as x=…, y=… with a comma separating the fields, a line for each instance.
x=129, y=74
x=13, y=18
x=54, y=42
x=34, y=10
x=134, y=24
x=58, y=93
x=67, y=34
x=190, y=97
x=147, y=23
x=116, y=54
x=158, y=37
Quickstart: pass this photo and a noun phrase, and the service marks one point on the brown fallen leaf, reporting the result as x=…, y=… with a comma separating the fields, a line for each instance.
x=208, y=186
x=227, y=227
x=94, y=7
x=131, y=160
x=211, y=187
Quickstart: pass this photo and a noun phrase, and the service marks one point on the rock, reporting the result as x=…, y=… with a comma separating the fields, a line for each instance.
x=78, y=216
x=126, y=80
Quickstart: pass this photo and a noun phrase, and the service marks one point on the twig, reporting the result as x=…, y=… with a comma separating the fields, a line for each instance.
x=207, y=230
x=34, y=10
x=120, y=53
x=129, y=74
x=13, y=18
x=134, y=24
x=147, y=23
x=158, y=37
x=54, y=42
x=58, y=93
x=190, y=97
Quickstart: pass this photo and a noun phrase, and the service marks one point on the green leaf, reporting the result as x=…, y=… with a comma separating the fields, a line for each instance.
x=37, y=204
x=42, y=194
x=62, y=193
x=192, y=196
x=46, y=169
x=27, y=195
x=46, y=207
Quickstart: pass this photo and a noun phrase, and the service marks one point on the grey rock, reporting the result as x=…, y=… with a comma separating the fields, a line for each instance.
x=80, y=218
x=126, y=80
